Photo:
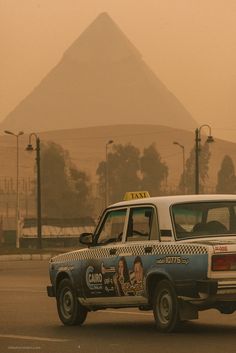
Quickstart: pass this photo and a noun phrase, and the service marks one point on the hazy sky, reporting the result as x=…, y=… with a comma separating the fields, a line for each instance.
x=189, y=44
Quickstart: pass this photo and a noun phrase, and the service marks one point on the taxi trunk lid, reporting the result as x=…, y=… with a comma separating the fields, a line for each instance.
x=222, y=259
x=222, y=266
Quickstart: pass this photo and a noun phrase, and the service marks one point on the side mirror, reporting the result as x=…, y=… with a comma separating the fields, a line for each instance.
x=86, y=239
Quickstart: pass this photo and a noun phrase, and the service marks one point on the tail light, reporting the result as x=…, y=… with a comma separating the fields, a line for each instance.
x=225, y=262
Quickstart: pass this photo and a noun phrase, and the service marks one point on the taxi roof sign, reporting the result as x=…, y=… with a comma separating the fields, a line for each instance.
x=132, y=195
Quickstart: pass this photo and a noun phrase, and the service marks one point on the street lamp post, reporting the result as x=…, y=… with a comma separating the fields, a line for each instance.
x=183, y=151
x=197, y=151
x=17, y=185
x=107, y=177
x=39, y=217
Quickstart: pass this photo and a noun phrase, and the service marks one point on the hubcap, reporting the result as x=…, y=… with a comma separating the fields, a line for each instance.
x=165, y=307
x=67, y=303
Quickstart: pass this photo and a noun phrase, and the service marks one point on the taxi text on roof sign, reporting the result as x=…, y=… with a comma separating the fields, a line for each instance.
x=132, y=195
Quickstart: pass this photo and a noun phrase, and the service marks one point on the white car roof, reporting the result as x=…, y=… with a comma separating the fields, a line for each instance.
x=163, y=204
x=167, y=201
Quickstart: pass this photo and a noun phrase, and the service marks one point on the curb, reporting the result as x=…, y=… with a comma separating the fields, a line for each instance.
x=25, y=257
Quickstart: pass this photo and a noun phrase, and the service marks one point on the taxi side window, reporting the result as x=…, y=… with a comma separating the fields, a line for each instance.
x=112, y=227
x=139, y=224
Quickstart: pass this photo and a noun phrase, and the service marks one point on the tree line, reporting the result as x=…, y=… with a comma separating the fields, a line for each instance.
x=67, y=191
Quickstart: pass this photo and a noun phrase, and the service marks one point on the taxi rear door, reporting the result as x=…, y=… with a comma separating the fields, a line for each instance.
x=135, y=254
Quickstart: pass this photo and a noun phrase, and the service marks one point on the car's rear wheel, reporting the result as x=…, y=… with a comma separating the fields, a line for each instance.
x=70, y=311
x=165, y=307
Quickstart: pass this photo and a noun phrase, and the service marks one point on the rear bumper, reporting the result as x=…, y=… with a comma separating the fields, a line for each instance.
x=195, y=289
x=226, y=287
x=51, y=291
x=207, y=289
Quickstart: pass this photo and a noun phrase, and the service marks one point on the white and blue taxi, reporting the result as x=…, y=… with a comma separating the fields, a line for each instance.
x=175, y=255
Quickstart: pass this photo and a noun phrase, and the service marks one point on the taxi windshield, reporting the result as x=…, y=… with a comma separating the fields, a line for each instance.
x=204, y=219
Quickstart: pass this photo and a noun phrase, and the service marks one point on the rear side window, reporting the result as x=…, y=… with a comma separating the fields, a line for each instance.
x=140, y=224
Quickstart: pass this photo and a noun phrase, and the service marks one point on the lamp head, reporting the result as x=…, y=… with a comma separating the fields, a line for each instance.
x=29, y=148
x=8, y=132
x=12, y=133
x=210, y=139
x=178, y=144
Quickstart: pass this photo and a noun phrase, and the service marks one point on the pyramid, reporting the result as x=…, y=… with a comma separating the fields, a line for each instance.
x=100, y=80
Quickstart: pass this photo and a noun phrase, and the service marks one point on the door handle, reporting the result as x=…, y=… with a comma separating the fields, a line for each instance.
x=113, y=251
x=148, y=249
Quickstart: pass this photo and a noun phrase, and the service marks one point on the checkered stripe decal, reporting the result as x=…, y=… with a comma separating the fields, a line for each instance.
x=181, y=249
x=164, y=249
x=158, y=249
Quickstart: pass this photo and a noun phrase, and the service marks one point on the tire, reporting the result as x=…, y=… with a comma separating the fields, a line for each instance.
x=70, y=311
x=165, y=307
